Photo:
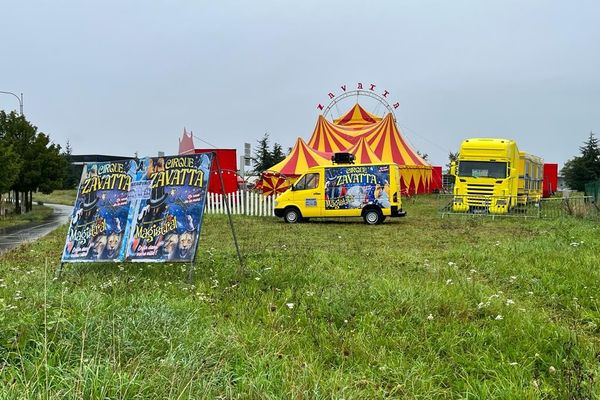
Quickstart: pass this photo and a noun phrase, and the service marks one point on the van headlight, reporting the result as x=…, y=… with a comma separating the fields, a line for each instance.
x=276, y=203
x=458, y=200
x=501, y=202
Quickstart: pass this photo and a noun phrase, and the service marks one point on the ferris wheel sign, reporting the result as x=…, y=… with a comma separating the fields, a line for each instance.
x=367, y=90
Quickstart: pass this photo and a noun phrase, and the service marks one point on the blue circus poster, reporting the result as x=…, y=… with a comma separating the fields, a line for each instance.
x=356, y=186
x=167, y=207
x=97, y=231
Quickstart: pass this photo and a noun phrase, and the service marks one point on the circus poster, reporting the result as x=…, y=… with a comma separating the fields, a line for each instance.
x=167, y=208
x=99, y=218
x=356, y=186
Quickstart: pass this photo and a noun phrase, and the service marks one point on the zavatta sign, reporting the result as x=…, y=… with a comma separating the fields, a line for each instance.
x=139, y=210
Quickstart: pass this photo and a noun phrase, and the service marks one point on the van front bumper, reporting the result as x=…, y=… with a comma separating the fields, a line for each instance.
x=278, y=212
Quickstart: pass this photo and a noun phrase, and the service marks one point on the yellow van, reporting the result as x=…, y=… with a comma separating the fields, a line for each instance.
x=371, y=191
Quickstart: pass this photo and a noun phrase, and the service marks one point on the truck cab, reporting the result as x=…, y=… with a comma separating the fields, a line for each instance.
x=371, y=191
x=492, y=176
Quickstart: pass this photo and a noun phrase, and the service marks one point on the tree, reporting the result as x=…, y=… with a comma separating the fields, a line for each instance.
x=264, y=158
x=10, y=165
x=72, y=177
x=452, y=157
x=42, y=166
x=583, y=169
x=277, y=154
x=262, y=155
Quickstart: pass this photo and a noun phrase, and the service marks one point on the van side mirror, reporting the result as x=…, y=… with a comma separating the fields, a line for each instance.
x=513, y=172
x=453, y=168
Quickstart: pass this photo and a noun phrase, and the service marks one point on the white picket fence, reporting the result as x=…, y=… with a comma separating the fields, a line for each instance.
x=241, y=202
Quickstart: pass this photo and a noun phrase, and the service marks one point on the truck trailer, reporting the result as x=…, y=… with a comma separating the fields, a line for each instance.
x=493, y=176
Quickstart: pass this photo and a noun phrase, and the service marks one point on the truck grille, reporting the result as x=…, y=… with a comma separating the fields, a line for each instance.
x=479, y=194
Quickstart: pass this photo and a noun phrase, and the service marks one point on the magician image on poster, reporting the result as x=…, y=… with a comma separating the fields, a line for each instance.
x=355, y=187
x=97, y=226
x=165, y=226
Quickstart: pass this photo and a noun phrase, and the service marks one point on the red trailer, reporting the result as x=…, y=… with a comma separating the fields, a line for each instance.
x=550, y=179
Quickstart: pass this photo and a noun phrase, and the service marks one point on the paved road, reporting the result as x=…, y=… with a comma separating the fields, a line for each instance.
x=13, y=236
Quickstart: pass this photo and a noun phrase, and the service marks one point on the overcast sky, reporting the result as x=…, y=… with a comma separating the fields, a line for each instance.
x=116, y=77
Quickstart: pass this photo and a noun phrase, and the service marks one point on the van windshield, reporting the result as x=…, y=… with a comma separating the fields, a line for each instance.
x=308, y=181
x=482, y=169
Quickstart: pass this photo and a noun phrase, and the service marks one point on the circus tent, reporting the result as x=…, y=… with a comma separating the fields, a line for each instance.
x=363, y=153
x=369, y=137
x=300, y=160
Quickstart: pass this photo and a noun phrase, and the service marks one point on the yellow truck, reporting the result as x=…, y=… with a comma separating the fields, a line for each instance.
x=370, y=191
x=493, y=176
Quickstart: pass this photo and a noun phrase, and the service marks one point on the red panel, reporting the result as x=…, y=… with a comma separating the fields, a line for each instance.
x=228, y=162
x=436, y=179
x=550, y=179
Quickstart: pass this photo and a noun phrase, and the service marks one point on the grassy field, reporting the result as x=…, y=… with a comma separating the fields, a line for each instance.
x=66, y=197
x=416, y=308
x=39, y=213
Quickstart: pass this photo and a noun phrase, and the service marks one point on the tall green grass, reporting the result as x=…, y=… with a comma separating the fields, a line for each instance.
x=66, y=197
x=420, y=307
x=37, y=214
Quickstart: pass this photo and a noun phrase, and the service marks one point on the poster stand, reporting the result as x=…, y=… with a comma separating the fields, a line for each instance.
x=59, y=270
x=235, y=241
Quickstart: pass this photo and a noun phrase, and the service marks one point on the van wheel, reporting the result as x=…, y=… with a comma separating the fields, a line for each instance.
x=373, y=217
x=292, y=215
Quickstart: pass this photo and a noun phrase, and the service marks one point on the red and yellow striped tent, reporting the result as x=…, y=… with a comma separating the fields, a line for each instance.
x=363, y=153
x=357, y=117
x=369, y=137
x=300, y=160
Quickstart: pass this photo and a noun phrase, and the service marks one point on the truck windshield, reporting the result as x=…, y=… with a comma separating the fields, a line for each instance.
x=482, y=169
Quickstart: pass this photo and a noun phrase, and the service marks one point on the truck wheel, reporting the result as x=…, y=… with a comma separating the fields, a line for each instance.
x=372, y=217
x=292, y=216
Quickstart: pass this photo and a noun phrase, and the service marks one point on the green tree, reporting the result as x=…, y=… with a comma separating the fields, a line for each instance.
x=72, y=177
x=452, y=157
x=265, y=157
x=585, y=168
x=277, y=154
x=10, y=165
x=42, y=166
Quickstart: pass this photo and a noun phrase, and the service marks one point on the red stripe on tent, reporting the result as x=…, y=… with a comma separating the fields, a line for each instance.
x=396, y=153
x=365, y=116
x=290, y=167
x=338, y=142
x=410, y=152
x=365, y=158
x=327, y=143
x=310, y=160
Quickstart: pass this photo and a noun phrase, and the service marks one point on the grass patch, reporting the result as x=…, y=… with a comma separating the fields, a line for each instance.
x=420, y=307
x=38, y=213
x=66, y=197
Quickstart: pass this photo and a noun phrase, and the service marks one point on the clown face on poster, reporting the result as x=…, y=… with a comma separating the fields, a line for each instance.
x=97, y=228
x=165, y=219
